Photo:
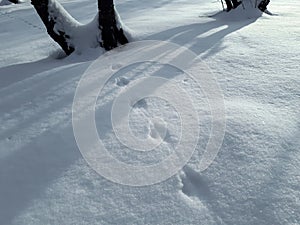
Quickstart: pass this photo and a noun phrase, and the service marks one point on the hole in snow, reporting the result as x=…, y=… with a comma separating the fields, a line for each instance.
x=122, y=81
x=194, y=184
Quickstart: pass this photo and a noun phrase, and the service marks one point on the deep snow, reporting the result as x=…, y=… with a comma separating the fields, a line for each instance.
x=255, y=177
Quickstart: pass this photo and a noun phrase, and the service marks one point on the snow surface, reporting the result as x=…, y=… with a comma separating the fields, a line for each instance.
x=255, y=177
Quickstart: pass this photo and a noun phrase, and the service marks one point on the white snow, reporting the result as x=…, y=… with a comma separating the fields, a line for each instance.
x=255, y=177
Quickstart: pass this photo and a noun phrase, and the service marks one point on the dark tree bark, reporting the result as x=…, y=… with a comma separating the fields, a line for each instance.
x=55, y=19
x=112, y=35
x=14, y=1
x=60, y=36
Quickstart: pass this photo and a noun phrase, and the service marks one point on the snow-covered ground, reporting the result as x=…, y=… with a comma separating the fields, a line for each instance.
x=255, y=177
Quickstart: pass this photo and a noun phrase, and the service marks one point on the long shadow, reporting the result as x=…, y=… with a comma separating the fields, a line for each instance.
x=203, y=37
x=27, y=173
x=24, y=176
x=18, y=72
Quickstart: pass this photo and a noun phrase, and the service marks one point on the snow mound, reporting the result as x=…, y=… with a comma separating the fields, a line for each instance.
x=5, y=2
x=243, y=12
x=255, y=177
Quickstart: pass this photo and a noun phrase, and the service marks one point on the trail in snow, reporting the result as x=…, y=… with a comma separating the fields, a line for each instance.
x=255, y=177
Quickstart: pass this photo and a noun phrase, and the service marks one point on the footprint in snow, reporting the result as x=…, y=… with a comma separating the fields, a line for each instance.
x=122, y=81
x=141, y=104
x=158, y=129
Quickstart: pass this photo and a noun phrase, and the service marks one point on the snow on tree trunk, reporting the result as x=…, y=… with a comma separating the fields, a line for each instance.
x=112, y=33
x=106, y=30
x=58, y=22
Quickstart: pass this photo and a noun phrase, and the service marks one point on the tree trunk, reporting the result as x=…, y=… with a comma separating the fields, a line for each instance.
x=111, y=34
x=14, y=1
x=58, y=35
x=61, y=26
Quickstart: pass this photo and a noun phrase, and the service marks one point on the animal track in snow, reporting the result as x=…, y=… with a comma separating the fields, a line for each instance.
x=122, y=81
x=194, y=185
